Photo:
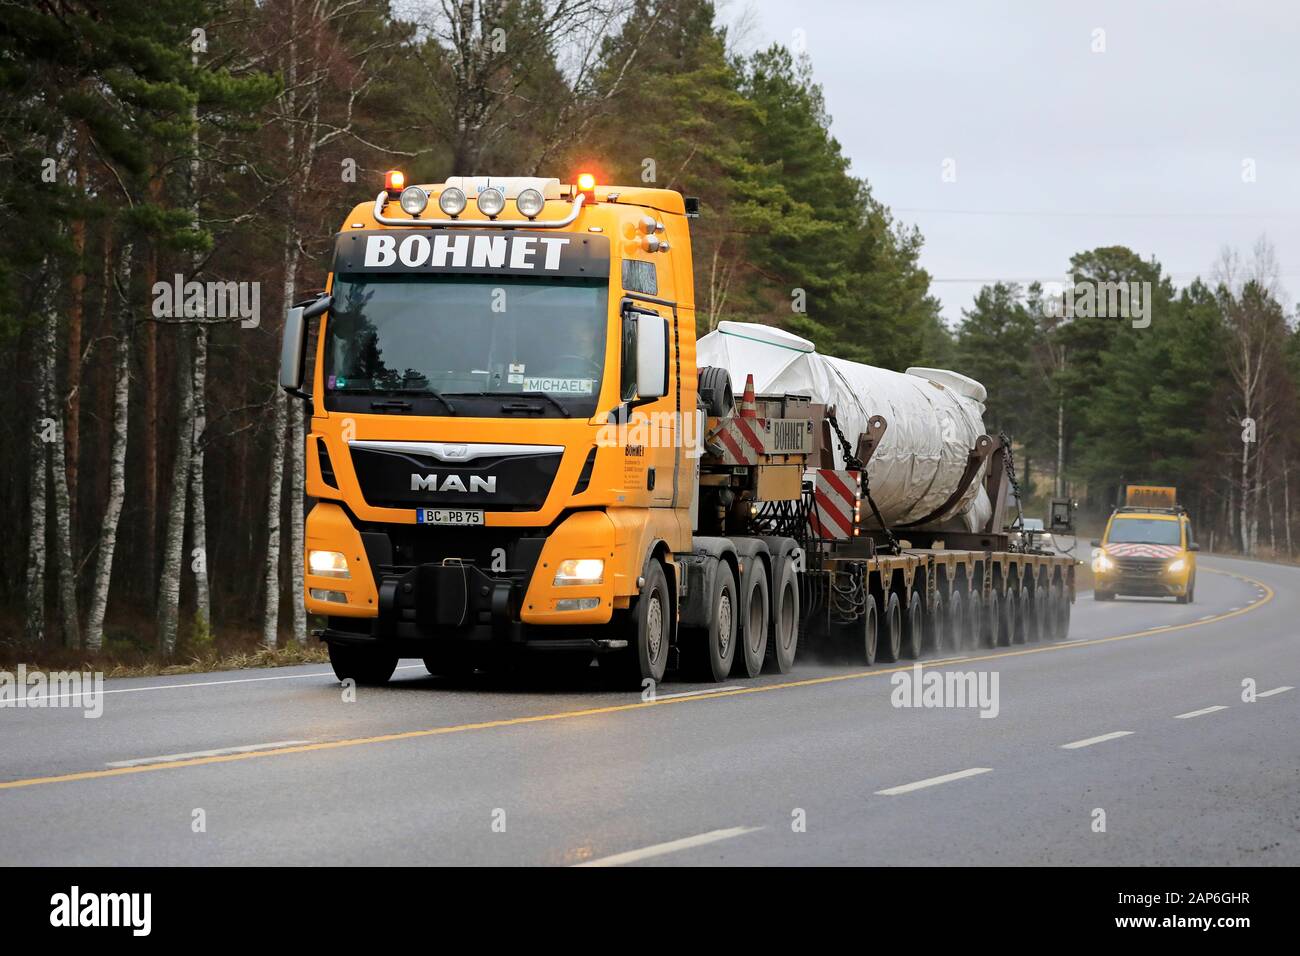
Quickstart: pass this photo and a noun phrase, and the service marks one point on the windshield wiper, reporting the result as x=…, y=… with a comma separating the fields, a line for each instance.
x=401, y=405
x=521, y=406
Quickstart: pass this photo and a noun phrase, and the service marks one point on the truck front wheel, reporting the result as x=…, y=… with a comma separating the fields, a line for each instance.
x=649, y=631
x=365, y=665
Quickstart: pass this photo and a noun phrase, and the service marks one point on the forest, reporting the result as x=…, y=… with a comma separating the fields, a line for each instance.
x=151, y=492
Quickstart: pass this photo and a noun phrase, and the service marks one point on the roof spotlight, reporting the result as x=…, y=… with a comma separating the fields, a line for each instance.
x=530, y=202
x=491, y=201
x=452, y=201
x=414, y=200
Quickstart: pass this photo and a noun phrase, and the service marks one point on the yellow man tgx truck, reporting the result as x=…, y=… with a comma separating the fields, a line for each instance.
x=513, y=454
x=1147, y=549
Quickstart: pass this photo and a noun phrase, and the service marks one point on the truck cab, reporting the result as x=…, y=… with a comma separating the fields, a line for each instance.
x=479, y=344
x=1147, y=549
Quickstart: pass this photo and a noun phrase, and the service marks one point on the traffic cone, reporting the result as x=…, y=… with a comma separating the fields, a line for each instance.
x=748, y=407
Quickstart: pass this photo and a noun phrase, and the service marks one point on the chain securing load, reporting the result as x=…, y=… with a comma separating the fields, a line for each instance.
x=853, y=463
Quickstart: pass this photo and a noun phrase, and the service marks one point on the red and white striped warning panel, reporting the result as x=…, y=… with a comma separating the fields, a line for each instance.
x=835, y=501
x=748, y=441
x=1142, y=550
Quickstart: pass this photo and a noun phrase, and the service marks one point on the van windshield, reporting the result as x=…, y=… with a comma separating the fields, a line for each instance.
x=1144, y=531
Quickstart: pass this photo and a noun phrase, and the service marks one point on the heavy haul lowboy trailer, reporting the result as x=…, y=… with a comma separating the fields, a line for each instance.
x=514, y=454
x=868, y=596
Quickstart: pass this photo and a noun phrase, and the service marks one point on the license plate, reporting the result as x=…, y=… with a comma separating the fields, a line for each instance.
x=451, y=516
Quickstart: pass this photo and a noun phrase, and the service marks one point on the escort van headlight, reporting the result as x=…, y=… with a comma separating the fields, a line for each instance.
x=578, y=571
x=1101, y=562
x=530, y=203
x=331, y=564
x=452, y=201
x=491, y=201
x=1176, y=565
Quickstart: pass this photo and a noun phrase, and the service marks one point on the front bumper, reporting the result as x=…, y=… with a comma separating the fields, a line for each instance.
x=423, y=587
x=1139, y=585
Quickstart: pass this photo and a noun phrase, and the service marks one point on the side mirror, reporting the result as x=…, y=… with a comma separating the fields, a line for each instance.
x=1193, y=547
x=651, y=356
x=292, y=349
x=1096, y=543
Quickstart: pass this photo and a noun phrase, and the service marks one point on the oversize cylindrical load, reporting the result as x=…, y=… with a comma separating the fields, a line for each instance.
x=934, y=417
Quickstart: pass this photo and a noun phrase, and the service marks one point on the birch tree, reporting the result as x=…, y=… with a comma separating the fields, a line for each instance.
x=117, y=453
x=42, y=432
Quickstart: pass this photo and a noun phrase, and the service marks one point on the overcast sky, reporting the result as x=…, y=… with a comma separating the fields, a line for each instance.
x=1057, y=148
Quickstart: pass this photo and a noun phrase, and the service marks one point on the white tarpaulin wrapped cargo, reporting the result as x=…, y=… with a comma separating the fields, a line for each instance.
x=934, y=416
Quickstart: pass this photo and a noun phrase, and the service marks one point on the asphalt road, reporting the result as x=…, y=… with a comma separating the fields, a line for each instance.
x=813, y=767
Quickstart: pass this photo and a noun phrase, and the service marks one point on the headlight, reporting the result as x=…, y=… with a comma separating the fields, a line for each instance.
x=580, y=571
x=452, y=201
x=491, y=201
x=1176, y=565
x=1101, y=562
x=332, y=564
x=530, y=202
x=413, y=200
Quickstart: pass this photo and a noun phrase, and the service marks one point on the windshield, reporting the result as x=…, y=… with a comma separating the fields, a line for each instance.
x=490, y=342
x=1143, y=531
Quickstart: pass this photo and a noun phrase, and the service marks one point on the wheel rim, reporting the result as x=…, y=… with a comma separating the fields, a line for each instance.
x=654, y=626
x=724, y=624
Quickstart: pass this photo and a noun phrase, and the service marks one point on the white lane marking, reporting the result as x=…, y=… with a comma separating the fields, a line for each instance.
x=221, y=751
x=1203, y=710
x=1206, y=618
x=659, y=849
x=933, y=781
x=1275, y=690
x=1096, y=740
x=696, y=693
x=1234, y=609
x=213, y=683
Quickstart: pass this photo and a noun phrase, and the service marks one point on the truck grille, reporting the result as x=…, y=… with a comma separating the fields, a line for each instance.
x=522, y=481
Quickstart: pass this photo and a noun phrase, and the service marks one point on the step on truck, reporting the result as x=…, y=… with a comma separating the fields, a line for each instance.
x=515, y=456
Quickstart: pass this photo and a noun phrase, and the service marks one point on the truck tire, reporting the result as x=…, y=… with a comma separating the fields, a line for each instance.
x=754, y=610
x=649, y=631
x=1008, y=619
x=367, y=666
x=870, y=630
x=1041, y=629
x=954, y=621
x=715, y=391
x=889, y=643
x=914, y=626
x=1023, y=612
x=990, y=627
x=975, y=612
x=709, y=651
x=1062, y=616
x=783, y=628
